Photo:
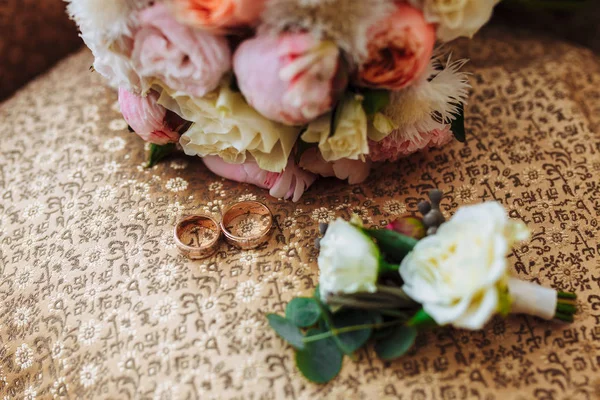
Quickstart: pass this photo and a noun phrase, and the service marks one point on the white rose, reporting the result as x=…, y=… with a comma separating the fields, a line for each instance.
x=457, y=274
x=456, y=18
x=349, y=140
x=348, y=260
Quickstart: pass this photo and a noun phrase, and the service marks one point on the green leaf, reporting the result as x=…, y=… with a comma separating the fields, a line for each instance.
x=321, y=360
x=286, y=330
x=375, y=100
x=421, y=318
x=397, y=343
x=458, y=125
x=157, y=153
x=353, y=341
x=303, y=311
x=395, y=245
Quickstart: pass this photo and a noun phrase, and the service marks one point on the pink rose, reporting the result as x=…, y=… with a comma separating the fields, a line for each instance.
x=289, y=184
x=399, y=48
x=185, y=59
x=218, y=14
x=355, y=171
x=292, y=78
x=151, y=121
x=395, y=146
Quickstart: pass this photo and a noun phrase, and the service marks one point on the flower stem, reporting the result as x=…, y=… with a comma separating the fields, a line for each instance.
x=396, y=291
x=334, y=332
x=564, y=317
x=566, y=308
x=566, y=295
x=364, y=304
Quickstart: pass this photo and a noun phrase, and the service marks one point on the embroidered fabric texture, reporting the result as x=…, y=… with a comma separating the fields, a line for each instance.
x=96, y=301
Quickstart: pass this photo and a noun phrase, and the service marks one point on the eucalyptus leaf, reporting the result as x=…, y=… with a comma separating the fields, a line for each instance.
x=353, y=341
x=157, y=153
x=458, y=125
x=397, y=343
x=393, y=244
x=320, y=361
x=286, y=330
x=303, y=311
x=375, y=100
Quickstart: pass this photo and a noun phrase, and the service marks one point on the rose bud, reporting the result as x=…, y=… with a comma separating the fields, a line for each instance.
x=151, y=121
x=292, y=78
x=409, y=226
x=218, y=14
x=399, y=48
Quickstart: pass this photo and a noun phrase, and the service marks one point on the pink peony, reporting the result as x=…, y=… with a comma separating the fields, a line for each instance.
x=355, y=171
x=219, y=14
x=391, y=148
x=151, y=121
x=399, y=47
x=289, y=184
x=184, y=59
x=292, y=78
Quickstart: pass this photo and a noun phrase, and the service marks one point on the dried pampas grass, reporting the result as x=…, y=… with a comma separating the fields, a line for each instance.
x=346, y=22
x=432, y=102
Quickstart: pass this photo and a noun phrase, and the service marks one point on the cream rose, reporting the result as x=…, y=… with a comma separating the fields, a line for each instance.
x=457, y=274
x=226, y=126
x=348, y=260
x=349, y=139
x=456, y=18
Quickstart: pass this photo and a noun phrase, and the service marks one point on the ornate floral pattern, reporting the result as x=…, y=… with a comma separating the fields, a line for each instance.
x=96, y=302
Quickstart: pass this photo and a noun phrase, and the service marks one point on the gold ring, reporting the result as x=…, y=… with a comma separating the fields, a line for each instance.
x=247, y=224
x=197, y=236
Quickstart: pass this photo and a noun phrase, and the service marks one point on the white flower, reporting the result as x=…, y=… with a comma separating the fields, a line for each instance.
x=167, y=273
x=349, y=139
x=57, y=349
x=88, y=375
x=225, y=125
x=24, y=356
x=105, y=193
x=455, y=18
x=457, y=274
x=348, y=260
x=88, y=332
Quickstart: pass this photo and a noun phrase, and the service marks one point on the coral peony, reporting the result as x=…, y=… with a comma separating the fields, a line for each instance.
x=182, y=58
x=151, y=121
x=292, y=78
x=218, y=14
x=289, y=184
x=399, y=47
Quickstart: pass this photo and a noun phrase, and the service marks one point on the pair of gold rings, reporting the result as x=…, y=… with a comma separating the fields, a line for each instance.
x=246, y=225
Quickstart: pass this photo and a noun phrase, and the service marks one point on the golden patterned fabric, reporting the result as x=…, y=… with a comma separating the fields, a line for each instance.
x=34, y=34
x=96, y=302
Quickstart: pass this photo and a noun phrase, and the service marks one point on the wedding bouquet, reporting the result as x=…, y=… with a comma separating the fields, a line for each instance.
x=278, y=92
x=387, y=284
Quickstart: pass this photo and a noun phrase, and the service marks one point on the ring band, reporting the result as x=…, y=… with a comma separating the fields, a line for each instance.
x=197, y=236
x=247, y=224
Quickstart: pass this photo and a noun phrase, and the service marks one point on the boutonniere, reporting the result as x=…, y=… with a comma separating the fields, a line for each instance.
x=387, y=285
